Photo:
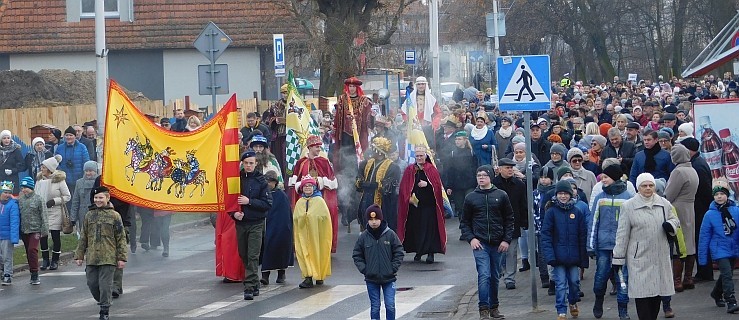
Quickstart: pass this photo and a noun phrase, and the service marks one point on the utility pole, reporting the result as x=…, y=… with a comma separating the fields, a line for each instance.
x=101, y=66
x=434, y=30
x=496, y=49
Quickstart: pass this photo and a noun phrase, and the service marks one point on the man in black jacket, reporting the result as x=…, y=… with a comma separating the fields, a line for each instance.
x=703, y=199
x=460, y=178
x=540, y=146
x=255, y=201
x=618, y=148
x=487, y=224
x=516, y=190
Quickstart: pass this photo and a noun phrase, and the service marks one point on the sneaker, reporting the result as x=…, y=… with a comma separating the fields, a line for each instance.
x=6, y=280
x=34, y=279
x=574, y=312
x=255, y=292
x=495, y=314
x=718, y=299
x=510, y=286
x=248, y=295
x=561, y=316
x=307, y=283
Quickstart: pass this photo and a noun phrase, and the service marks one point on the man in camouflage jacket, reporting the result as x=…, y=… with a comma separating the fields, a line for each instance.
x=103, y=243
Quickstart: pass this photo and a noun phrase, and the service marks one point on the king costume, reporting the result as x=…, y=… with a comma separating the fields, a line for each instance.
x=378, y=177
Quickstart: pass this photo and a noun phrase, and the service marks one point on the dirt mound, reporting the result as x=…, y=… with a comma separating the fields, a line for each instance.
x=27, y=89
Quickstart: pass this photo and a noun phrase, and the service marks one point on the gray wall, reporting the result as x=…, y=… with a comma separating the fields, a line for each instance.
x=4, y=62
x=141, y=70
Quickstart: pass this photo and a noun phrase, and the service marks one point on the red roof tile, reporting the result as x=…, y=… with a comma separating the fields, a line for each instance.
x=32, y=26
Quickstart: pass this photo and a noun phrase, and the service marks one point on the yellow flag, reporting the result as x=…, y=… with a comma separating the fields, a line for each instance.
x=148, y=166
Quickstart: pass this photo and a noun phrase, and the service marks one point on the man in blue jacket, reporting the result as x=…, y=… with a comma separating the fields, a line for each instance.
x=652, y=159
x=255, y=201
x=487, y=224
x=74, y=155
x=9, y=229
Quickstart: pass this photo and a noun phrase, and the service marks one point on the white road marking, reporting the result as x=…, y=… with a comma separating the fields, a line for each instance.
x=406, y=301
x=316, y=303
x=91, y=302
x=231, y=303
x=62, y=274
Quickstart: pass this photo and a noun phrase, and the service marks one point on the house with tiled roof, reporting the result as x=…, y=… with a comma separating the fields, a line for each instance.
x=150, y=42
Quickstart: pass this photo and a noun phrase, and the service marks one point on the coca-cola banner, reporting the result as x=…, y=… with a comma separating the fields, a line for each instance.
x=717, y=129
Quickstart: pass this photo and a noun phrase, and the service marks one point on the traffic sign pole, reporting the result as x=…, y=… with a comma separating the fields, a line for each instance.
x=530, y=205
x=213, y=50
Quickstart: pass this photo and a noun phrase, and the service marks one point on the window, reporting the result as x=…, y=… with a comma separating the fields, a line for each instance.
x=88, y=8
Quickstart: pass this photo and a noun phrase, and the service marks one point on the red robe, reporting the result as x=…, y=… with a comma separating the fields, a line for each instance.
x=228, y=262
x=342, y=123
x=406, y=189
x=323, y=167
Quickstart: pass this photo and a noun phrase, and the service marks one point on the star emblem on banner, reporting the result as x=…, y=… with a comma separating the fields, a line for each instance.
x=120, y=117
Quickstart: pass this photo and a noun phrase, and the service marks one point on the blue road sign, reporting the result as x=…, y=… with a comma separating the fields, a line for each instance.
x=524, y=83
x=410, y=57
x=279, y=54
x=476, y=56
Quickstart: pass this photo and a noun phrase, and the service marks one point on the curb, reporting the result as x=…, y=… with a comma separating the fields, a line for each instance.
x=464, y=304
x=67, y=256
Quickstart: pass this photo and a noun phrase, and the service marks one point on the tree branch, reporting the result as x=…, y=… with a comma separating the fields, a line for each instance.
x=385, y=38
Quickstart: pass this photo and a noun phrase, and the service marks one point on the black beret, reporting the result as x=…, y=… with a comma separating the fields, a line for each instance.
x=248, y=154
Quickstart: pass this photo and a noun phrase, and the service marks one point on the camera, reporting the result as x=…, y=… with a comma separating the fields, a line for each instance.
x=69, y=164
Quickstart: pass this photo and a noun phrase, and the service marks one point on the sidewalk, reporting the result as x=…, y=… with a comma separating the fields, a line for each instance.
x=67, y=256
x=516, y=303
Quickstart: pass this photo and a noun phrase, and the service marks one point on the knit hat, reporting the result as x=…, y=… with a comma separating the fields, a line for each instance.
x=659, y=186
x=547, y=172
x=691, y=143
x=487, y=169
x=562, y=171
x=271, y=175
x=71, y=130
x=248, y=154
x=373, y=212
x=558, y=148
x=37, y=140
x=669, y=131
x=52, y=163
x=574, y=152
x=662, y=134
x=57, y=133
x=564, y=186
x=5, y=133
x=517, y=139
x=28, y=182
x=90, y=165
x=603, y=128
x=686, y=128
x=258, y=139
x=614, y=172
x=720, y=185
x=644, y=177
x=519, y=146
x=6, y=186
x=601, y=140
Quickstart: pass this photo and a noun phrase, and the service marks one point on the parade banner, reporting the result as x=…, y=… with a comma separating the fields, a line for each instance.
x=298, y=125
x=149, y=166
x=717, y=132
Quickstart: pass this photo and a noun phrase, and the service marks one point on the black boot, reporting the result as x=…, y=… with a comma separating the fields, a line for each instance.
x=307, y=283
x=430, y=258
x=623, y=311
x=54, y=261
x=717, y=298
x=265, y=278
x=280, y=276
x=104, y=313
x=526, y=266
x=45, y=257
x=551, y=289
x=731, y=306
x=545, y=282
x=598, y=307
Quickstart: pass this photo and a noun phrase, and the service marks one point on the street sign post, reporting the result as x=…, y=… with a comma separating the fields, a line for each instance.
x=410, y=57
x=204, y=79
x=211, y=42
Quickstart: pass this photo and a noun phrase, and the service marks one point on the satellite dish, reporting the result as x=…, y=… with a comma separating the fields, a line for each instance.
x=383, y=93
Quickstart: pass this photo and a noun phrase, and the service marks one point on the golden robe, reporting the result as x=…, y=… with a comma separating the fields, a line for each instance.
x=312, y=233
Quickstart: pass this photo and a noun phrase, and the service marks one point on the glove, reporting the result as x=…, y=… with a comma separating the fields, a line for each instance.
x=8, y=172
x=50, y=203
x=667, y=227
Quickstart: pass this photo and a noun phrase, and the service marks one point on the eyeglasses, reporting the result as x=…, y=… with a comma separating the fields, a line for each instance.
x=576, y=160
x=482, y=175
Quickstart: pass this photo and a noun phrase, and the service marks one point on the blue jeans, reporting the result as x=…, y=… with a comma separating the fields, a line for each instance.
x=388, y=292
x=566, y=278
x=603, y=273
x=487, y=262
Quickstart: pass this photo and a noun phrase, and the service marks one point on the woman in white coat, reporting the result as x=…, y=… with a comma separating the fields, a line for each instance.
x=51, y=186
x=642, y=245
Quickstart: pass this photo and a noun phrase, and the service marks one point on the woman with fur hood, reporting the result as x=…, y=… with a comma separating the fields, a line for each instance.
x=51, y=186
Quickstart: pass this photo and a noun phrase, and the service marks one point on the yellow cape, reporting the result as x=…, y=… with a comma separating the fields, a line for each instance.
x=312, y=233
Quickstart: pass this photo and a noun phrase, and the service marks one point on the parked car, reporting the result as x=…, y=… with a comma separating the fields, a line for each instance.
x=447, y=91
x=304, y=86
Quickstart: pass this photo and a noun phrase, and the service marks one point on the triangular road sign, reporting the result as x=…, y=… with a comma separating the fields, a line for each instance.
x=523, y=86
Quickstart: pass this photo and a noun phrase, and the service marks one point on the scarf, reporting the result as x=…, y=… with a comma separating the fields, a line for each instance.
x=648, y=201
x=6, y=150
x=40, y=156
x=650, y=164
x=726, y=219
x=505, y=133
x=377, y=233
x=479, y=134
x=520, y=165
x=593, y=156
x=564, y=206
x=615, y=189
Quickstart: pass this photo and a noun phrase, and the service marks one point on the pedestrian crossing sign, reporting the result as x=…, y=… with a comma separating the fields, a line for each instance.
x=523, y=83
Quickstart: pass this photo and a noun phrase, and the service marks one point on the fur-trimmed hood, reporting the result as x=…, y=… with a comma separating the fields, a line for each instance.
x=56, y=176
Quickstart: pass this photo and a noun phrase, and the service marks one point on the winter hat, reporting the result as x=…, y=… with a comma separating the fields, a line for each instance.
x=373, y=212
x=659, y=186
x=644, y=177
x=6, y=186
x=603, y=129
x=258, y=139
x=487, y=169
x=517, y=139
x=5, y=133
x=614, y=172
x=52, y=163
x=90, y=165
x=37, y=140
x=686, y=128
x=306, y=179
x=669, y=131
x=521, y=130
x=271, y=175
x=28, y=182
x=57, y=133
x=562, y=171
x=519, y=146
x=691, y=143
x=720, y=185
x=547, y=172
x=71, y=130
x=662, y=134
x=558, y=148
x=574, y=152
x=601, y=140
x=564, y=186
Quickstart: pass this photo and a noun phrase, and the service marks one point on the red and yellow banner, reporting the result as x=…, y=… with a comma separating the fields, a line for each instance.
x=148, y=166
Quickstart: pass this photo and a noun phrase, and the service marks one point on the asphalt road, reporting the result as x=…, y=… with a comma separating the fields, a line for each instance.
x=185, y=286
